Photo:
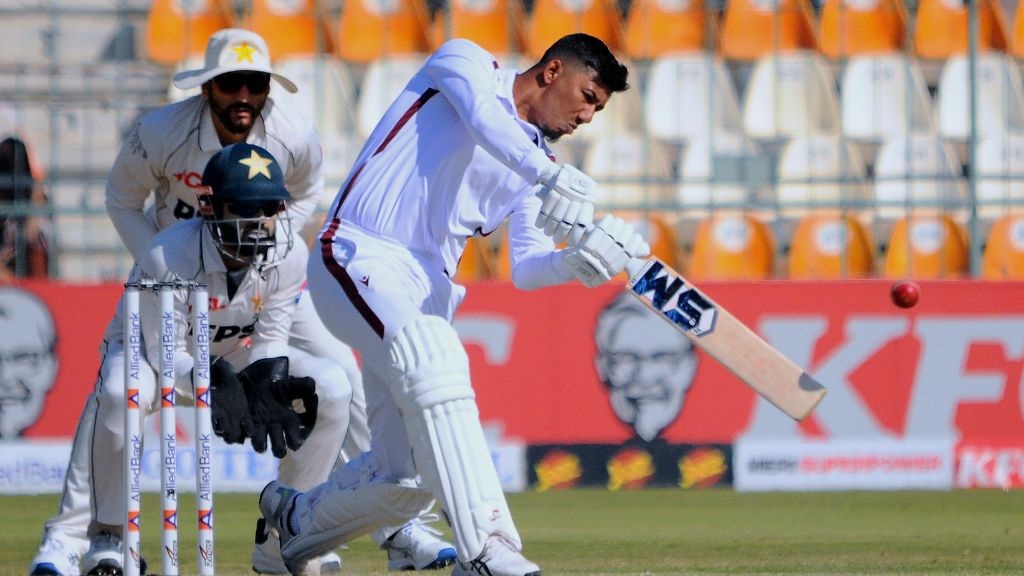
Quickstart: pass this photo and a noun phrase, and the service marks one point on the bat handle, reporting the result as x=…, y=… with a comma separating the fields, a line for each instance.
x=634, y=266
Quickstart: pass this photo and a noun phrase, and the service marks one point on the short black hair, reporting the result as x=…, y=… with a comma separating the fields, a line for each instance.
x=592, y=53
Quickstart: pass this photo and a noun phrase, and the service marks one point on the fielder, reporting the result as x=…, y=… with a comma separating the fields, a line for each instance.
x=460, y=150
x=163, y=160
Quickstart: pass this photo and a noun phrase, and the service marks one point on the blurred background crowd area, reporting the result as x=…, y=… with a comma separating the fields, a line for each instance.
x=777, y=139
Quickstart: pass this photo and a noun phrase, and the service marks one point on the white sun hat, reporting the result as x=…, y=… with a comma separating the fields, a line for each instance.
x=232, y=50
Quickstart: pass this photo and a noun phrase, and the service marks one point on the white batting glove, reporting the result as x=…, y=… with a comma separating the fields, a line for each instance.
x=567, y=203
x=605, y=250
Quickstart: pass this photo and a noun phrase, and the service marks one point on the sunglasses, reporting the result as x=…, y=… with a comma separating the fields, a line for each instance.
x=254, y=209
x=232, y=82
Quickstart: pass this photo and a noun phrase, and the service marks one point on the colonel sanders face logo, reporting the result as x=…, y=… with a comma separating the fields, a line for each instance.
x=646, y=365
x=28, y=361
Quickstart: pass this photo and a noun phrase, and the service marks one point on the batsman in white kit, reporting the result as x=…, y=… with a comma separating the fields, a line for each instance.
x=460, y=151
x=163, y=160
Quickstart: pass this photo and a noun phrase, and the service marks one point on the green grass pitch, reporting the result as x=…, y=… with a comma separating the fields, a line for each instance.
x=663, y=531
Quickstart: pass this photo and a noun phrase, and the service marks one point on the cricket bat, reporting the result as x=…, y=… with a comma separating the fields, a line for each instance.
x=714, y=330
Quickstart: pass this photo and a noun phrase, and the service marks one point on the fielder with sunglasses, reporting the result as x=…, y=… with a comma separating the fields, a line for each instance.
x=151, y=186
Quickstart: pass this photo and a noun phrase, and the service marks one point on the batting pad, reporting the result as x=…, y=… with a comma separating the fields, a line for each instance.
x=339, y=516
x=430, y=381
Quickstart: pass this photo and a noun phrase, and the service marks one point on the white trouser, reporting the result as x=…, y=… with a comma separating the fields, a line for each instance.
x=367, y=297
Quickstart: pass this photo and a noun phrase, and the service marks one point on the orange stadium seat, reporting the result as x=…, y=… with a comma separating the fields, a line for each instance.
x=857, y=27
x=477, y=260
x=927, y=246
x=370, y=29
x=654, y=28
x=290, y=28
x=942, y=31
x=732, y=247
x=831, y=246
x=496, y=25
x=753, y=28
x=552, y=19
x=1004, y=249
x=173, y=33
x=659, y=232
x=1017, y=33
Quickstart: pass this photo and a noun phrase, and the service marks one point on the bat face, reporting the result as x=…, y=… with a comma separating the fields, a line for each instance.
x=718, y=333
x=675, y=299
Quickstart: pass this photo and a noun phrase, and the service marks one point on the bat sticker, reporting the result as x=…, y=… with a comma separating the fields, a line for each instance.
x=673, y=298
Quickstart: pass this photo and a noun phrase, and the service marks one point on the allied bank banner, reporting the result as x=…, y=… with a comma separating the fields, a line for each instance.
x=566, y=366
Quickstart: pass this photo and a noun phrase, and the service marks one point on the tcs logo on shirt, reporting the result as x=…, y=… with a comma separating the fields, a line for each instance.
x=182, y=209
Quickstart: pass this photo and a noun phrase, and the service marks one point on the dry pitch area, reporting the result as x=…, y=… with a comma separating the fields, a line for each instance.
x=664, y=531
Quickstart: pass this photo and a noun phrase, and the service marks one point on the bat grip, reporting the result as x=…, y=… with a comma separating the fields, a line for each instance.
x=634, y=266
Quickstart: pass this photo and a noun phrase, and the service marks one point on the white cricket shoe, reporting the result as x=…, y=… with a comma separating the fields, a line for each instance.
x=499, y=558
x=54, y=558
x=266, y=556
x=104, y=556
x=416, y=546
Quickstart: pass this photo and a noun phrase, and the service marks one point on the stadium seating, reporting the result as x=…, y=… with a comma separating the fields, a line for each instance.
x=654, y=28
x=999, y=168
x=1017, y=33
x=477, y=261
x=372, y=29
x=1000, y=96
x=383, y=81
x=732, y=247
x=917, y=172
x=719, y=172
x=941, y=28
x=631, y=170
x=830, y=246
x=850, y=28
x=327, y=97
x=496, y=25
x=290, y=28
x=820, y=172
x=552, y=19
x=178, y=29
x=754, y=28
x=788, y=95
x=680, y=83
x=1003, y=258
x=884, y=96
x=660, y=233
x=927, y=246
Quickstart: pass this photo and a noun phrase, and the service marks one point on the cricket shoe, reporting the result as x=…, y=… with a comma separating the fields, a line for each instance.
x=276, y=504
x=54, y=558
x=104, y=556
x=499, y=558
x=416, y=546
x=266, y=556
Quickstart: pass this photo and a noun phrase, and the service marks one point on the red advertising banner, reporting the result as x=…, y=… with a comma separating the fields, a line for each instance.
x=568, y=365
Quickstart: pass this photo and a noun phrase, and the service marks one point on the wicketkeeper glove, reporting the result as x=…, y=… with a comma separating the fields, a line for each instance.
x=605, y=250
x=567, y=203
x=272, y=394
x=229, y=407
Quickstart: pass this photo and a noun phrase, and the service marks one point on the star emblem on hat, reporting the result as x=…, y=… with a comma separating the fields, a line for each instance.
x=257, y=164
x=244, y=52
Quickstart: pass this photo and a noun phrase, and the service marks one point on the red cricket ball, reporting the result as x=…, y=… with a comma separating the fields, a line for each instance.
x=905, y=293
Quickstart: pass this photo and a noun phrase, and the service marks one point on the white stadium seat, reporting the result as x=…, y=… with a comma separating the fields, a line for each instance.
x=689, y=96
x=820, y=172
x=790, y=94
x=919, y=171
x=884, y=96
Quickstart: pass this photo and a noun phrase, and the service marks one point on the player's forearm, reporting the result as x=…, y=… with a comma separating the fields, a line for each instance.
x=541, y=271
x=134, y=228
